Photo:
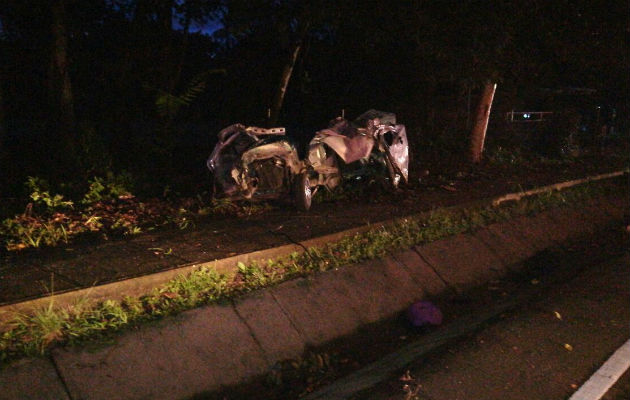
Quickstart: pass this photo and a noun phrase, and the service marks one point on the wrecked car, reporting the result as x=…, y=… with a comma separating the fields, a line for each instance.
x=250, y=161
x=346, y=148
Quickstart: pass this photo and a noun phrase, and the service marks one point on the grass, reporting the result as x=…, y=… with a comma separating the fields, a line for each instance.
x=35, y=334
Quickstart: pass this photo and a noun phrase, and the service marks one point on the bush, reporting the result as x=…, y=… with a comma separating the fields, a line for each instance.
x=111, y=187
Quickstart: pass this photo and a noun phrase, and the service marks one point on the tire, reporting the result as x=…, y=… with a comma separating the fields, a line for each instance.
x=302, y=194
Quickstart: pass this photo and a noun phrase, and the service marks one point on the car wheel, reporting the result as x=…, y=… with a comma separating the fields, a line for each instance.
x=302, y=192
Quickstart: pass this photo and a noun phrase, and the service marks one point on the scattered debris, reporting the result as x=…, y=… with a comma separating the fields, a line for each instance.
x=249, y=160
x=373, y=139
x=423, y=313
x=406, y=377
x=158, y=250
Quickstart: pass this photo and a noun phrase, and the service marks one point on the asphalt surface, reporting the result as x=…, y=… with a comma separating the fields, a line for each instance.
x=544, y=349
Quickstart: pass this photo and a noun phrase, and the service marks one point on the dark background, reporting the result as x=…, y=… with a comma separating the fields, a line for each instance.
x=92, y=86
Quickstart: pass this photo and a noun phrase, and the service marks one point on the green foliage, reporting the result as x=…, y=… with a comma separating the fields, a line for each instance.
x=168, y=104
x=223, y=206
x=502, y=155
x=227, y=206
x=109, y=208
x=24, y=231
x=200, y=286
x=108, y=188
x=93, y=154
x=50, y=219
x=41, y=196
x=51, y=226
x=254, y=276
x=34, y=334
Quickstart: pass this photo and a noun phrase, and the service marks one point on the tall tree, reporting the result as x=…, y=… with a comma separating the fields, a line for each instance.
x=60, y=78
x=287, y=71
x=274, y=35
x=478, y=134
x=3, y=129
x=2, y=110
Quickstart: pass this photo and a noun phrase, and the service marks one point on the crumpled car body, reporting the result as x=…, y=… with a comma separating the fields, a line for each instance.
x=250, y=161
x=373, y=138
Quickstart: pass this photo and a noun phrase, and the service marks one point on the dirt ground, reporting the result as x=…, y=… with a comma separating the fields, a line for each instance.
x=433, y=183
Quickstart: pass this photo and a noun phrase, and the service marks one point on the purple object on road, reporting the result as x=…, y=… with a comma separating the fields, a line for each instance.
x=423, y=313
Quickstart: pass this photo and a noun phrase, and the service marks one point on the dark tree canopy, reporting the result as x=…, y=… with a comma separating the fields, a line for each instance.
x=142, y=85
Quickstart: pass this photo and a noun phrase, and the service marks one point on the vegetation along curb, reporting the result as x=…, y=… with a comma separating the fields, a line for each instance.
x=232, y=342
x=229, y=266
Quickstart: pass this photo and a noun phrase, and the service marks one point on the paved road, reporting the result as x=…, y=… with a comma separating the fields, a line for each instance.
x=544, y=349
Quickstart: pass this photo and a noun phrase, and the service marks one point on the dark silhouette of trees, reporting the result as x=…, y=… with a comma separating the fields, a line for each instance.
x=59, y=81
x=80, y=79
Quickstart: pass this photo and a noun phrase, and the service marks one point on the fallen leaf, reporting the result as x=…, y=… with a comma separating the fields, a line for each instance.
x=568, y=347
x=557, y=314
x=535, y=281
x=51, y=337
x=406, y=377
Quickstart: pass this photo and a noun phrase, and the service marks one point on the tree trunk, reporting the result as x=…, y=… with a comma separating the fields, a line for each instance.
x=287, y=71
x=468, y=95
x=2, y=112
x=61, y=85
x=478, y=134
x=3, y=129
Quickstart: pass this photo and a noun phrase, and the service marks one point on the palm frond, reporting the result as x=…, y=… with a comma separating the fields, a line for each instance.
x=168, y=104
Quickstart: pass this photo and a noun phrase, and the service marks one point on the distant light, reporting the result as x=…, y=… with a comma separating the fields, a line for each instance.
x=526, y=116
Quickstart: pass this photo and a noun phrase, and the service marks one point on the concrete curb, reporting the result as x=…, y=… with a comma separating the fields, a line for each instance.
x=201, y=350
x=144, y=284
